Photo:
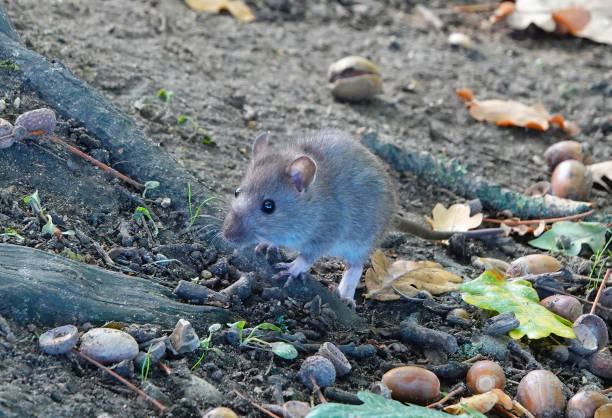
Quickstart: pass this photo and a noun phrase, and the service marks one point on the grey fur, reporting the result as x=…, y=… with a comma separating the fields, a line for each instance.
x=342, y=213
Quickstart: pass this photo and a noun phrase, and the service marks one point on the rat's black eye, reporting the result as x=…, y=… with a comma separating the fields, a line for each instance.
x=237, y=192
x=268, y=206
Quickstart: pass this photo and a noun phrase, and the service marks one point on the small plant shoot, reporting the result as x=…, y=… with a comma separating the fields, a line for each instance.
x=281, y=349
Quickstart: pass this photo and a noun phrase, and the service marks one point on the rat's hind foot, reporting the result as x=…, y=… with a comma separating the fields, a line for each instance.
x=348, y=284
x=295, y=268
x=347, y=301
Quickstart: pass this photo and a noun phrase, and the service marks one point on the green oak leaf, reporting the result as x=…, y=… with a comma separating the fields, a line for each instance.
x=493, y=292
x=568, y=237
x=375, y=406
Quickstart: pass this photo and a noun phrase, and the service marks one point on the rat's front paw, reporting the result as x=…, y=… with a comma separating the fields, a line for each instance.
x=350, y=302
x=295, y=268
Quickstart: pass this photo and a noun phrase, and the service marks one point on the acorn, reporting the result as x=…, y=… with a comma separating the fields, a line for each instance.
x=600, y=363
x=485, y=375
x=604, y=411
x=533, y=264
x=220, y=412
x=541, y=392
x=591, y=334
x=354, y=79
x=566, y=150
x=571, y=180
x=565, y=306
x=412, y=384
x=584, y=404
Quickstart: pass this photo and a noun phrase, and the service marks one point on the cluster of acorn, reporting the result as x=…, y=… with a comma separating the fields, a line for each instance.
x=570, y=177
x=539, y=391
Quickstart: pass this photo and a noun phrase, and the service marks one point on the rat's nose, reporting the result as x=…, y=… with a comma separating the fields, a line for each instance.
x=234, y=228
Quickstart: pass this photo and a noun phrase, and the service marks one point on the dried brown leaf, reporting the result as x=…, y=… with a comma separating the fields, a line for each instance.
x=236, y=8
x=483, y=402
x=408, y=277
x=587, y=18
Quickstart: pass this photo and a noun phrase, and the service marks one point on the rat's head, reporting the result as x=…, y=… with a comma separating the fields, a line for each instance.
x=271, y=201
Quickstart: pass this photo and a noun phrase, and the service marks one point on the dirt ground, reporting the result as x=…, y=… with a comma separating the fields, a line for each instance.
x=234, y=80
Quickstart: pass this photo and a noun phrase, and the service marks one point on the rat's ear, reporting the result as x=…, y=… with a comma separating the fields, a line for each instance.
x=302, y=172
x=260, y=143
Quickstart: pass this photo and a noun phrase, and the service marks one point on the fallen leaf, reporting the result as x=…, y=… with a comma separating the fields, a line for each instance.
x=235, y=7
x=568, y=237
x=512, y=113
x=455, y=218
x=601, y=170
x=492, y=291
x=408, y=277
x=586, y=18
x=483, y=402
x=374, y=406
x=524, y=229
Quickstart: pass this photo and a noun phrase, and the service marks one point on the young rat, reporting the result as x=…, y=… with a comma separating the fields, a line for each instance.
x=322, y=194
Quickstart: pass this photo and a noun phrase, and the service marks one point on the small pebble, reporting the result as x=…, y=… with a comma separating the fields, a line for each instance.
x=166, y=202
x=205, y=274
x=2, y=105
x=59, y=340
x=156, y=393
x=381, y=389
x=108, y=346
x=17, y=103
x=319, y=369
x=183, y=338
x=124, y=368
x=295, y=409
x=143, y=332
x=155, y=354
x=460, y=39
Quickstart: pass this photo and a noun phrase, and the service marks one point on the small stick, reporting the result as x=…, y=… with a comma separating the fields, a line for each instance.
x=473, y=359
x=606, y=390
x=449, y=395
x=165, y=368
x=317, y=390
x=504, y=411
x=511, y=222
x=261, y=408
x=120, y=378
x=601, y=288
x=472, y=8
x=98, y=163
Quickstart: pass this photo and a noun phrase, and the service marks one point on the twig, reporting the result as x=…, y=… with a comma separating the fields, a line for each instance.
x=473, y=359
x=599, y=292
x=317, y=390
x=512, y=222
x=98, y=163
x=121, y=379
x=165, y=368
x=449, y=395
x=472, y=8
x=261, y=408
x=504, y=411
x=606, y=390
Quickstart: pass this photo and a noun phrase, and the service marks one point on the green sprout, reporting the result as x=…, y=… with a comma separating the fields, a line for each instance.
x=598, y=264
x=193, y=215
x=146, y=366
x=166, y=96
x=12, y=233
x=205, y=138
x=149, y=185
x=281, y=349
x=33, y=201
x=50, y=229
x=140, y=212
x=205, y=344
